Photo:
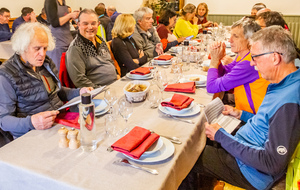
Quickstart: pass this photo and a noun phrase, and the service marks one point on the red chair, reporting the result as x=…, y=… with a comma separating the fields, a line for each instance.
x=63, y=73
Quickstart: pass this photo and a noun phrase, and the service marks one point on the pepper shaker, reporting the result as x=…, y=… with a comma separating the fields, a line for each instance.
x=63, y=140
x=74, y=142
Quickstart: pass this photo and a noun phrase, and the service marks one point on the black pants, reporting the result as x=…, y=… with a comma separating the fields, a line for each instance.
x=216, y=163
x=5, y=137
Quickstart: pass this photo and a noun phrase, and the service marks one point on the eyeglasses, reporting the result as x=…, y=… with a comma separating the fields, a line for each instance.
x=258, y=55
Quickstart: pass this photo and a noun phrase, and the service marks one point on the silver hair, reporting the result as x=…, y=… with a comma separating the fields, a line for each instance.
x=24, y=34
x=249, y=26
x=139, y=14
x=275, y=38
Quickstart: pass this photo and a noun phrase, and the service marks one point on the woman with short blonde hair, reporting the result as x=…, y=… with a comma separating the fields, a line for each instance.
x=124, y=27
x=123, y=46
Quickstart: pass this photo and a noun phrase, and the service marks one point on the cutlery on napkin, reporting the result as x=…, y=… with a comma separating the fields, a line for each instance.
x=178, y=102
x=136, y=142
x=188, y=87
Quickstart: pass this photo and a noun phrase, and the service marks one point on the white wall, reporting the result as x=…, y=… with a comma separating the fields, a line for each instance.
x=287, y=7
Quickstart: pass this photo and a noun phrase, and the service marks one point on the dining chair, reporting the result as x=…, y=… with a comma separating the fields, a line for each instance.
x=113, y=58
x=63, y=73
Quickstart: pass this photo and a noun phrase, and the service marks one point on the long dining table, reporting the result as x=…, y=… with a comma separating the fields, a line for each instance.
x=35, y=161
x=6, y=50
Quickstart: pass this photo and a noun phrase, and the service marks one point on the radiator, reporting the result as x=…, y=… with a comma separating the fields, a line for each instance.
x=295, y=30
x=292, y=21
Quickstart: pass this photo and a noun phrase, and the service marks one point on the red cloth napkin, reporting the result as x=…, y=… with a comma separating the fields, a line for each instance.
x=164, y=57
x=69, y=119
x=136, y=142
x=141, y=71
x=178, y=102
x=188, y=87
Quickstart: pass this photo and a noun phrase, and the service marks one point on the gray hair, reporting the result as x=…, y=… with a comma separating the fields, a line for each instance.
x=275, y=38
x=249, y=26
x=112, y=8
x=139, y=14
x=25, y=33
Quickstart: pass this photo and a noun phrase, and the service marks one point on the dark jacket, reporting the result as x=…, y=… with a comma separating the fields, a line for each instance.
x=25, y=94
x=125, y=50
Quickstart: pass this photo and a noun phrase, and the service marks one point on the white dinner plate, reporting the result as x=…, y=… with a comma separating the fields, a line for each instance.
x=139, y=77
x=203, y=79
x=154, y=147
x=101, y=107
x=162, y=62
x=195, y=110
x=174, y=111
x=182, y=80
x=165, y=152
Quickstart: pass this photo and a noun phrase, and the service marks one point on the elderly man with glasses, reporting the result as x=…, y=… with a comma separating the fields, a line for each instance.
x=258, y=154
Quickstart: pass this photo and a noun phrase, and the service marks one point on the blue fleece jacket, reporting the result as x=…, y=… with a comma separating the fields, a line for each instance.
x=264, y=146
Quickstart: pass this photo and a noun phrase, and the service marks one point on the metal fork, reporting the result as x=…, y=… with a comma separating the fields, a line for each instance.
x=174, y=140
x=179, y=119
x=126, y=162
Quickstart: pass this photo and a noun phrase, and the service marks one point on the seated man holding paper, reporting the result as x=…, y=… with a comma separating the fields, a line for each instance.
x=260, y=151
x=31, y=90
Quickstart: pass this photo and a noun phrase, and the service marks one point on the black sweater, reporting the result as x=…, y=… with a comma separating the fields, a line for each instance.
x=125, y=50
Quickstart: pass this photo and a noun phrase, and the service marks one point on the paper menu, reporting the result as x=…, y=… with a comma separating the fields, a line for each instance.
x=213, y=114
x=77, y=99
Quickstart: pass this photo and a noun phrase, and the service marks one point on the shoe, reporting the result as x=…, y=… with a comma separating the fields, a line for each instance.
x=222, y=185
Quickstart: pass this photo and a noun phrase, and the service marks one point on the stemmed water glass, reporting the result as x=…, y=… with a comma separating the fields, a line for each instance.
x=125, y=110
x=161, y=80
x=154, y=96
x=110, y=97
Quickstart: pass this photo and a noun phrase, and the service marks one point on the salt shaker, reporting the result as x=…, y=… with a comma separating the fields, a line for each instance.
x=63, y=140
x=74, y=142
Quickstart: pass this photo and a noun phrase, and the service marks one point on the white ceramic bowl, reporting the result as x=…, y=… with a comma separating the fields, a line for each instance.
x=136, y=96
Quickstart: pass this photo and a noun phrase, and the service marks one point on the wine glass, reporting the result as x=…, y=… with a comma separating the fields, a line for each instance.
x=125, y=110
x=161, y=80
x=154, y=96
x=110, y=97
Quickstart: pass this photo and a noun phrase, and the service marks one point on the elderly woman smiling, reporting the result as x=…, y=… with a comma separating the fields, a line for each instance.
x=249, y=87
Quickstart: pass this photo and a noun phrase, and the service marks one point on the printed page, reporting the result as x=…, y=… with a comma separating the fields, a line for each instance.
x=77, y=99
x=213, y=109
x=213, y=114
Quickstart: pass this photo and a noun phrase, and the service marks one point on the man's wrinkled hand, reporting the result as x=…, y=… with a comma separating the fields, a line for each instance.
x=210, y=130
x=229, y=110
x=43, y=120
x=85, y=90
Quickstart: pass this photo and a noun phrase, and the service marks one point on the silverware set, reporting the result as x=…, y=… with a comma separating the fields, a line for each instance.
x=180, y=119
x=125, y=162
x=174, y=140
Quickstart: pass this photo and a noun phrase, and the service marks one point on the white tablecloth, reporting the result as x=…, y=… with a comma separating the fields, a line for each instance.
x=34, y=161
x=6, y=50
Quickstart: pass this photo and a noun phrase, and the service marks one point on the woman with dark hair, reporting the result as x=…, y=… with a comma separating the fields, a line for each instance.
x=167, y=21
x=58, y=16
